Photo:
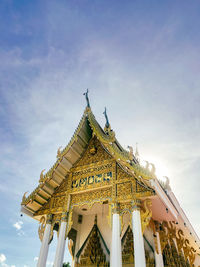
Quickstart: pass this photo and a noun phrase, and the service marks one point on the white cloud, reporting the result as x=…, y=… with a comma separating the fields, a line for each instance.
x=2, y=258
x=36, y=259
x=18, y=225
x=2, y=261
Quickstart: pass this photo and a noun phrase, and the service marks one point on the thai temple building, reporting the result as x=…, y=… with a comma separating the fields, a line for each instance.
x=109, y=209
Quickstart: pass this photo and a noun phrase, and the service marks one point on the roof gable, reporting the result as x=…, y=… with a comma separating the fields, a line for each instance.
x=74, y=154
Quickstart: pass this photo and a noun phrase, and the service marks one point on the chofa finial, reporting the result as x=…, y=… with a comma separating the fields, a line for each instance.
x=87, y=98
x=106, y=116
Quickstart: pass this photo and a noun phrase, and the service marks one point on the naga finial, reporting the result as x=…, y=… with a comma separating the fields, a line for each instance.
x=106, y=116
x=24, y=197
x=87, y=98
x=42, y=176
x=59, y=154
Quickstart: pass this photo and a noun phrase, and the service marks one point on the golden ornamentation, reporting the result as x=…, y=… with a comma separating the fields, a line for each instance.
x=93, y=150
x=104, y=138
x=121, y=223
x=125, y=207
x=49, y=219
x=42, y=177
x=41, y=228
x=70, y=245
x=91, y=197
x=123, y=175
x=180, y=240
x=56, y=219
x=109, y=217
x=93, y=254
x=146, y=214
x=115, y=207
x=70, y=221
x=89, y=158
x=24, y=198
x=163, y=234
x=59, y=153
x=108, y=143
x=189, y=252
x=64, y=217
x=124, y=191
x=191, y=255
x=58, y=201
x=128, y=251
x=48, y=175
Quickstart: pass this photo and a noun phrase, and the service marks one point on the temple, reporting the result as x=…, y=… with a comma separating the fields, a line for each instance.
x=111, y=210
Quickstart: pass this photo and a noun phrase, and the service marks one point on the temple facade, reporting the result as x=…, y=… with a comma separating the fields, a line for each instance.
x=107, y=207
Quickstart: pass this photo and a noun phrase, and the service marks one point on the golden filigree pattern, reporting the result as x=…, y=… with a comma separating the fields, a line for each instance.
x=124, y=191
x=58, y=202
x=91, y=197
x=89, y=157
x=41, y=228
x=146, y=214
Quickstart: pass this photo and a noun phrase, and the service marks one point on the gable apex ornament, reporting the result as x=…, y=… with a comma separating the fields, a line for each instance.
x=106, y=117
x=87, y=98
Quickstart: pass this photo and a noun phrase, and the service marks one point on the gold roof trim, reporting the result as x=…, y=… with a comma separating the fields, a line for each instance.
x=110, y=143
x=48, y=175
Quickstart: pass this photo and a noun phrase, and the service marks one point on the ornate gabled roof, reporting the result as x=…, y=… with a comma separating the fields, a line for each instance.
x=66, y=158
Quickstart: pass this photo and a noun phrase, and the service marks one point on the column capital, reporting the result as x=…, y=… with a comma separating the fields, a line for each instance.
x=49, y=218
x=136, y=204
x=115, y=207
x=64, y=216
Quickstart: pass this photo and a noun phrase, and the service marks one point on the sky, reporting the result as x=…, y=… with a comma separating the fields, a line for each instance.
x=138, y=58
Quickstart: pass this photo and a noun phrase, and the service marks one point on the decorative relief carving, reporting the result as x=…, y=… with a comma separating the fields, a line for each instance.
x=125, y=207
x=168, y=233
x=90, y=157
x=146, y=214
x=122, y=175
x=58, y=201
x=91, y=197
x=124, y=191
x=96, y=180
x=41, y=228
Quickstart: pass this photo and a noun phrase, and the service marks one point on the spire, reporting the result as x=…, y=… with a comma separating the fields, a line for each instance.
x=106, y=116
x=87, y=98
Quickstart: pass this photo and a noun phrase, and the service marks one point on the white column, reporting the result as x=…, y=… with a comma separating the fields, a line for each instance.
x=45, y=243
x=116, y=251
x=139, y=253
x=58, y=262
x=158, y=252
x=73, y=263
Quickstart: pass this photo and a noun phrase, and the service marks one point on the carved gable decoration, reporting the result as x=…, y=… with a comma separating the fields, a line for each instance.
x=127, y=185
x=94, y=153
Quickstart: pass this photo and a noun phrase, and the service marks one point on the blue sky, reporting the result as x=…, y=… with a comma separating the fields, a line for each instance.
x=140, y=59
